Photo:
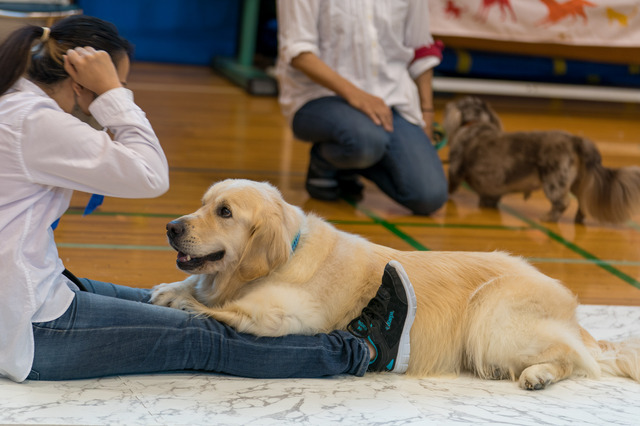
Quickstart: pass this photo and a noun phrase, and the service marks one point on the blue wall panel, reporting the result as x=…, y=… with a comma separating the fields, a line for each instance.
x=176, y=31
x=477, y=64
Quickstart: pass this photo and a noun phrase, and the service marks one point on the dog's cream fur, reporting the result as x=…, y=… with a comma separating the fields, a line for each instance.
x=490, y=313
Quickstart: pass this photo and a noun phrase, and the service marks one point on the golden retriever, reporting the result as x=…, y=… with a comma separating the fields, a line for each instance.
x=495, y=163
x=489, y=313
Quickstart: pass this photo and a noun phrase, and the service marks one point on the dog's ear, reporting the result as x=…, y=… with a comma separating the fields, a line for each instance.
x=268, y=246
x=452, y=119
x=493, y=117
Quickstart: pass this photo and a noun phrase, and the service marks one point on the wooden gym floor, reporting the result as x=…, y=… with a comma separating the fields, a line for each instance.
x=212, y=130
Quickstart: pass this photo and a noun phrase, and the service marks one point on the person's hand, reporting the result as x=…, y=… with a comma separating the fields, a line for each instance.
x=374, y=107
x=92, y=69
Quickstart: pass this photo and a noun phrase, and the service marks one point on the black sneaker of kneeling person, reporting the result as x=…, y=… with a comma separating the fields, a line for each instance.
x=325, y=182
x=350, y=185
x=386, y=321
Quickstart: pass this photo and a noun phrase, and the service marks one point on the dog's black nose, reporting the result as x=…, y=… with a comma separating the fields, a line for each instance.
x=175, y=228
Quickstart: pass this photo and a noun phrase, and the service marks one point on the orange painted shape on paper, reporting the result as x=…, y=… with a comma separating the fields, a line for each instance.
x=568, y=9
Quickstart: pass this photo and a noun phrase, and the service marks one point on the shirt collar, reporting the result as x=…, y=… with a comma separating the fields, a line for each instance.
x=24, y=85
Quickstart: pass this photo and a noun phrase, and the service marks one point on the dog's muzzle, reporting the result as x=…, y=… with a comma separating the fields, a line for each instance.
x=175, y=232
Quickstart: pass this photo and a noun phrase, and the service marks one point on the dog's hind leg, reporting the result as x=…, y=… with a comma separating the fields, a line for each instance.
x=540, y=356
x=456, y=169
x=552, y=365
x=523, y=326
x=579, y=219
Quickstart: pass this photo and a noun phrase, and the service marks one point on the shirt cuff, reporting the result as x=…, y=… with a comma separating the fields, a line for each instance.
x=112, y=102
x=425, y=58
x=417, y=68
x=434, y=49
x=296, y=49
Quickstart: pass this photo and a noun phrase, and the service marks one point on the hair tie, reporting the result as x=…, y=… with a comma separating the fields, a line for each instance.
x=45, y=34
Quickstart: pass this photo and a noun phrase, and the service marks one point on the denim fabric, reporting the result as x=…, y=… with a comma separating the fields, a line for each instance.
x=113, y=330
x=403, y=163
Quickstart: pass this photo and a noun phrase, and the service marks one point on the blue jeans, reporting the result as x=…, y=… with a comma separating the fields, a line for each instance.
x=403, y=163
x=113, y=330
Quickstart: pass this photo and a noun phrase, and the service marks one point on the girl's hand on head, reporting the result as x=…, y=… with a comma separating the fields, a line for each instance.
x=92, y=69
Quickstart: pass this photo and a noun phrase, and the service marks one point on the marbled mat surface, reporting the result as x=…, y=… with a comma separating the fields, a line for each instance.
x=199, y=399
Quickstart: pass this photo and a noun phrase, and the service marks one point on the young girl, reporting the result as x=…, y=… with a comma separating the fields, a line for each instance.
x=51, y=80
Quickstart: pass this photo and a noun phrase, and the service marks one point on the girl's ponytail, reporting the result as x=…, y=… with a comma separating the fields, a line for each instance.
x=15, y=55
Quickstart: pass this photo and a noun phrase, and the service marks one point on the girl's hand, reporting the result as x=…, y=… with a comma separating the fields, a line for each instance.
x=92, y=69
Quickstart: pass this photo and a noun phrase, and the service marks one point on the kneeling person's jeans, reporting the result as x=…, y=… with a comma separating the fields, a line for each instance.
x=403, y=163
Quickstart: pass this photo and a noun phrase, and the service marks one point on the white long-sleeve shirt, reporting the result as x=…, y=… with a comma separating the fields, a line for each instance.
x=371, y=43
x=46, y=154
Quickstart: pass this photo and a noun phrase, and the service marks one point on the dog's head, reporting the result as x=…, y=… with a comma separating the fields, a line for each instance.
x=243, y=227
x=468, y=110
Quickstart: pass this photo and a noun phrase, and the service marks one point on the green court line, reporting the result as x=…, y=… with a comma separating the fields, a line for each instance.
x=167, y=248
x=632, y=224
x=430, y=225
x=389, y=226
x=573, y=247
x=80, y=211
x=463, y=226
x=374, y=221
x=584, y=261
x=393, y=228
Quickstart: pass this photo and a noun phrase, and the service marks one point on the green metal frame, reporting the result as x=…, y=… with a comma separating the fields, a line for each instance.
x=241, y=70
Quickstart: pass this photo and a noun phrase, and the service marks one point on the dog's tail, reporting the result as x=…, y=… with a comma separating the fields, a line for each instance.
x=609, y=195
x=620, y=358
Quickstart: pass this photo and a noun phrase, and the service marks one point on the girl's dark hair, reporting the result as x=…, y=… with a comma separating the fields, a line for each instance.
x=22, y=53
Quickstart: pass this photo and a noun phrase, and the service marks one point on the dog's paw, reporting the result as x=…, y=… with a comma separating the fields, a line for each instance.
x=173, y=295
x=535, y=377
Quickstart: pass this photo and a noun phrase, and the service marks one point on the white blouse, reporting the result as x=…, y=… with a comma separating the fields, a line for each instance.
x=371, y=43
x=45, y=154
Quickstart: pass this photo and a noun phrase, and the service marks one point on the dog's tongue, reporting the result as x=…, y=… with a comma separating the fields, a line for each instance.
x=183, y=257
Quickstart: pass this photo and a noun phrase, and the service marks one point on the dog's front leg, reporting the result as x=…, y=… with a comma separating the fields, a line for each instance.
x=270, y=313
x=557, y=208
x=456, y=170
x=179, y=295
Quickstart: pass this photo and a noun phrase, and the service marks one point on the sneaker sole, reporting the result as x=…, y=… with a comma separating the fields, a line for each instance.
x=404, y=347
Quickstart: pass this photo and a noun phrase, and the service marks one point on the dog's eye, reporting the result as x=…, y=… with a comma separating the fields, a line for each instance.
x=224, y=212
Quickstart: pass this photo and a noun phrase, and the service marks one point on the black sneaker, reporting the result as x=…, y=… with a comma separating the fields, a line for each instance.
x=386, y=321
x=350, y=185
x=322, y=178
x=325, y=182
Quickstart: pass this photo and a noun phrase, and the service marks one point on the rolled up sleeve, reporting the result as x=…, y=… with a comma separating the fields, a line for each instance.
x=298, y=28
x=418, y=35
